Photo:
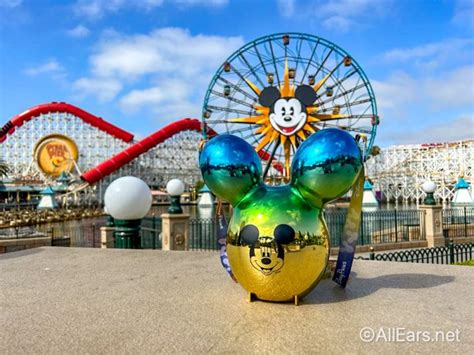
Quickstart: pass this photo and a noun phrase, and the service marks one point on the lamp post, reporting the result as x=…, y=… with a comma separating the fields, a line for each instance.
x=127, y=199
x=175, y=188
x=433, y=217
x=429, y=187
x=110, y=219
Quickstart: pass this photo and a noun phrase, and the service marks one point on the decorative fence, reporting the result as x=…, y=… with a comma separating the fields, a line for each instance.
x=458, y=222
x=87, y=236
x=377, y=227
x=20, y=233
x=18, y=205
x=203, y=234
x=450, y=254
x=151, y=233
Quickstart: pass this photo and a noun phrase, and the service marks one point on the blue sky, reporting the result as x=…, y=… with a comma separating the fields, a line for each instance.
x=142, y=64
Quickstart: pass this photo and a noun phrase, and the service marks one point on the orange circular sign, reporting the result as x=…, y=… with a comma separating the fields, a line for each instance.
x=55, y=154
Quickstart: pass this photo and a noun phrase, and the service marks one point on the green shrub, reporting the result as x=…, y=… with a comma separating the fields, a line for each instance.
x=466, y=263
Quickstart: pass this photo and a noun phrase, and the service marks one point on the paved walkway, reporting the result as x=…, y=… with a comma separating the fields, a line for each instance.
x=78, y=300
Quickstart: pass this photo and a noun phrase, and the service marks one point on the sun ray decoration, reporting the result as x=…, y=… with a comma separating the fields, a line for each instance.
x=343, y=96
x=269, y=134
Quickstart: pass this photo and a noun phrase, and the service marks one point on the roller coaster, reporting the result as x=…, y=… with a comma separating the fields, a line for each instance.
x=61, y=145
x=398, y=172
x=105, y=150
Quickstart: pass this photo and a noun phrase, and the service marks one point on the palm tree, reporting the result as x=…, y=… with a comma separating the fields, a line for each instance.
x=374, y=151
x=4, y=170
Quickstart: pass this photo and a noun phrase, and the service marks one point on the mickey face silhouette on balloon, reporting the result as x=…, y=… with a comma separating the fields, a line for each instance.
x=277, y=240
x=288, y=114
x=270, y=256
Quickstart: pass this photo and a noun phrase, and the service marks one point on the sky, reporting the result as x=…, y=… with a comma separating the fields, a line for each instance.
x=145, y=63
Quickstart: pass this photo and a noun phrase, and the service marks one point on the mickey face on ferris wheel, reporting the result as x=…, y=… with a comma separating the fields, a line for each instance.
x=288, y=114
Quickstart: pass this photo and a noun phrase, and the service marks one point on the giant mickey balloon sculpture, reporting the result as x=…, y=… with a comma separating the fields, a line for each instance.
x=277, y=240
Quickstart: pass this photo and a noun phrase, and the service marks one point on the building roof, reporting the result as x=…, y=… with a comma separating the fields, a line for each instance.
x=63, y=178
x=31, y=188
x=461, y=184
x=204, y=189
x=47, y=191
x=367, y=185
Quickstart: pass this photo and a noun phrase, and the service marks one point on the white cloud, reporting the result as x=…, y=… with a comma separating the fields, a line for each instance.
x=342, y=15
x=454, y=88
x=10, y=3
x=168, y=101
x=170, y=92
x=150, y=4
x=212, y=3
x=460, y=128
x=95, y=9
x=79, y=31
x=103, y=89
x=172, y=67
x=286, y=7
x=52, y=66
x=170, y=51
x=432, y=55
x=90, y=9
x=427, y=50
x=464, y=13
x=447, y=90
x=398, y=90
x=338, y=23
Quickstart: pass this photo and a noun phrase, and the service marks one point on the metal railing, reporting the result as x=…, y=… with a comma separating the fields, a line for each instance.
x=150, y=233
x=450, y=254
x=20, y=233
x=202, y=234
x=458, y=222
x=86, y=236
x=379, y=227
x=18, y=205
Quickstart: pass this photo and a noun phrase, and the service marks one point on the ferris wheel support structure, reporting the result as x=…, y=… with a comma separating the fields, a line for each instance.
x=323, y=86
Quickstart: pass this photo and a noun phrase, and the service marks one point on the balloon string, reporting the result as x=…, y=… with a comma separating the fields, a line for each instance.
x=350, y=233
x=222, y=228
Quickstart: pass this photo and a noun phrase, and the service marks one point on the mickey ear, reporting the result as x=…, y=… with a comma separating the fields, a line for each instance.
x=326, y=165
x=305, y=94
x=269, y=96
x=230, y=167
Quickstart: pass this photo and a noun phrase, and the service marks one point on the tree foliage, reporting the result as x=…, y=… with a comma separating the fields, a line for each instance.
x=374, y=151
x=4, y=170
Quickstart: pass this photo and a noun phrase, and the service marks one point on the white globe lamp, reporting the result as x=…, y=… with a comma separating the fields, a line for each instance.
x=175, y=188
x=128, y=199
x=429, y=187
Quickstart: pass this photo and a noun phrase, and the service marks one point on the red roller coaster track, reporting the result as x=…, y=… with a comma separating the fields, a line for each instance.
x=117, y=161
x=127, y=155
x=35, y=111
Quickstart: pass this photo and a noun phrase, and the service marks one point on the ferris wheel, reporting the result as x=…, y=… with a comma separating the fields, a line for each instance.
x=277, y=90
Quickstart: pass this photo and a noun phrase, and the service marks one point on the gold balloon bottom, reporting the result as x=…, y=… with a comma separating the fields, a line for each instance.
x=301, y=270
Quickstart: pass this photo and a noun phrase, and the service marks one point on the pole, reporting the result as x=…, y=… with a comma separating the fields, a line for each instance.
x=465, y=222
x=153, y=226
x=451, y=252
x=127, y=234
x=396, y=227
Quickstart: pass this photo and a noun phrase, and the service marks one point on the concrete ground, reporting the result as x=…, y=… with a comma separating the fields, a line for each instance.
x=78, y=300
